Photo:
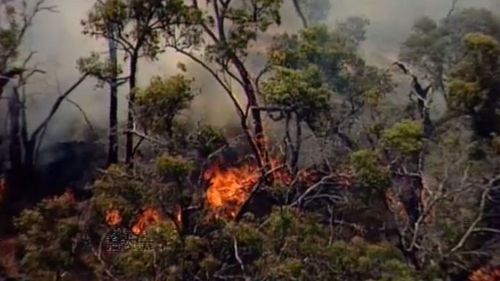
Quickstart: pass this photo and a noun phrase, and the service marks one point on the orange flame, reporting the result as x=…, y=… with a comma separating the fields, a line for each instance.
x=148, y=218
x=113, y=217
x=230, y=188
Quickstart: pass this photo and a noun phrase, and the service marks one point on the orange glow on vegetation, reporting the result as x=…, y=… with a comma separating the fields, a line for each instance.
x=147, y=219
x=113, y=217
x=486, y=274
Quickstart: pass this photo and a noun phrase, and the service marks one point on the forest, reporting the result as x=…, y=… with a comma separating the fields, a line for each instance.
x=250, y=140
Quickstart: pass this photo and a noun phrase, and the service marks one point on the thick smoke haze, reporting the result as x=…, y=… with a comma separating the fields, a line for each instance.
x=58, y=41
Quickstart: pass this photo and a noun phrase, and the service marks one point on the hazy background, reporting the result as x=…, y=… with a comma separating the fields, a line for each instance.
x=58, y=40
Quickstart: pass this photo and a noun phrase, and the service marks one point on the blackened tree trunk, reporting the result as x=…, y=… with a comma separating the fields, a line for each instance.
x=15, y=145
x=113, y=105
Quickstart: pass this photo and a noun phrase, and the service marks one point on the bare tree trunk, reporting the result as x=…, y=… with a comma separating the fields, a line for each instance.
x=297, y=146
x=260, y=147
x=299, y=11
x=131, y=101
x=15, y=145
x=113, y=106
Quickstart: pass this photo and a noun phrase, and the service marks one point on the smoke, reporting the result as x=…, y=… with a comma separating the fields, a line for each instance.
x=58, y=41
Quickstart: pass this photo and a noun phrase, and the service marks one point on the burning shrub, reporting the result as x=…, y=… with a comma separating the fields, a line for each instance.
x=120, y=191
x=230, y=188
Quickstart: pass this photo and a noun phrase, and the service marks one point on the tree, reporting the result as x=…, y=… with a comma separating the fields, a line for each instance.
x=113, y=103
x=229, y=27
x=440, y=50
x=24, y=144
x=312, y=11
x=318, y=76
x=136, y=28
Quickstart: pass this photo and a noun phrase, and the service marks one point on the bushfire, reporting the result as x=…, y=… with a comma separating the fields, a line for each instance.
x=229, y=188
x=147, y=218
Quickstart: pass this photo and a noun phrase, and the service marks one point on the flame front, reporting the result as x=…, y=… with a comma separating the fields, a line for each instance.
x=230, y=188
x=148, y=218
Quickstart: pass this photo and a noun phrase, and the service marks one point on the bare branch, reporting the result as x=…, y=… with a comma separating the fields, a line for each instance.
x=56, y=105
x=84, y=114
x=474, y=224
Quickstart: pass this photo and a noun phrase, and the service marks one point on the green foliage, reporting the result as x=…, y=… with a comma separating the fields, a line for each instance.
x=328, y=51
x=369, y=170
x=119, y=190
x=48, y=235
x=405, y=137
x=301, y=91
x=137, y=26
x=244, y=21
x=95, y=66
x=209, y=140
x=301, y=251
x=435, y=47
x=158, y=248
x=353, y=29
x=174, y=167
x=483, y=43
x=160, y=102
x=318, y=70
x=463, y=47
x=464, y=95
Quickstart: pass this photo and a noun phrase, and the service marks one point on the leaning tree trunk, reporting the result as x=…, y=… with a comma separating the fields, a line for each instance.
x=258, y=141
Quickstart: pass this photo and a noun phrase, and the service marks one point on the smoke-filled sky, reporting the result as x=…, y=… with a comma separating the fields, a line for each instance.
x=58, y=40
